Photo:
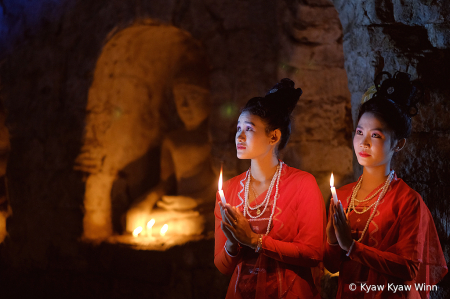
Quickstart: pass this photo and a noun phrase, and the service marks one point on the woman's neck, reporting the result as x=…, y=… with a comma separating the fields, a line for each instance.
x=263, y=169
x=374, y=176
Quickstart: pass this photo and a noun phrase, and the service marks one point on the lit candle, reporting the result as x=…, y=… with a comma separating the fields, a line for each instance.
x=150, y=227
x=222, y=196
x=333, y=190
x=137, y=231
x=164, y=230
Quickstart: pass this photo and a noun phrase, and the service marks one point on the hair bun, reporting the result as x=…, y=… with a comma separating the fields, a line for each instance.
x=283, y=96
x=400, y=90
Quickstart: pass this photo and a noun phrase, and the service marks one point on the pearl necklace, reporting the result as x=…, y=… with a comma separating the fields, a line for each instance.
x=370, y=197
x=265, y=202
x=351, y=206
x=275, y=182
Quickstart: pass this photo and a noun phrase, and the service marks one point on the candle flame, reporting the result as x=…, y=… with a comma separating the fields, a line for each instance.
x=150, y=223
x=137, y=231
x=332, y=180
x=164, y=230
x=220, y=179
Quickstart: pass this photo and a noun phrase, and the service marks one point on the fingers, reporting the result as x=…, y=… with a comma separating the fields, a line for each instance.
x=223, y=212
x=227, y=226
x=339, y=216
x=341, y=209
x=231, y=211
x=341, y=213
x=336, y=220
x=332, y=208
x=228, y=218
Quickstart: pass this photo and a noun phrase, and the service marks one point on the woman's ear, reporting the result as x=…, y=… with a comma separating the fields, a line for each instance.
x=275, y=136
x=400, y=144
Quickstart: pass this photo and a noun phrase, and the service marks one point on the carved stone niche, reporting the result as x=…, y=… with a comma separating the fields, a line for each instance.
x=146, y=147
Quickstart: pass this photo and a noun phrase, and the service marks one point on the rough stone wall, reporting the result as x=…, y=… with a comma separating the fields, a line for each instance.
x=414, y=37
x=312, y=55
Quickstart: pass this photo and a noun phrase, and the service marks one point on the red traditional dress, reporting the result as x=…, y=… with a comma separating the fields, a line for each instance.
x=400, y=249
x=282, y=268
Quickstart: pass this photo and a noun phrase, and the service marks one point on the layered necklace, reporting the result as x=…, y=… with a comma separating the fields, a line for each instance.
x=265, y=203
x=382, y=191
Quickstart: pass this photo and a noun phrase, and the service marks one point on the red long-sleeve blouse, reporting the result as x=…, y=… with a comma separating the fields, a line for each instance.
x=400, y=249
x=282, y=269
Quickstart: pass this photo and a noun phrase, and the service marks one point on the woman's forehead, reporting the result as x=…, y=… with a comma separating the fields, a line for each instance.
x=247, y=117
x=370, y=121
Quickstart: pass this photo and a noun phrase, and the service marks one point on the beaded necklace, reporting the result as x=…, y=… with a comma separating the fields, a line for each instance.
x=275, y=182
x=351, y=206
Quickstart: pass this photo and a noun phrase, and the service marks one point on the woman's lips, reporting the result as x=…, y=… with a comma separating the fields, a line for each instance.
x=364, y=154
x=240, y=147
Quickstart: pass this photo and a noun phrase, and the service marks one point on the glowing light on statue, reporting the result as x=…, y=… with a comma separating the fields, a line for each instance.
x=164, y=230
x=222, y=196
x=333, y=189
x=137, y=231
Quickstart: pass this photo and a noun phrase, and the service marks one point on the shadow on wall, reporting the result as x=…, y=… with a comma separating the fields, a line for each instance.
x=130, y=111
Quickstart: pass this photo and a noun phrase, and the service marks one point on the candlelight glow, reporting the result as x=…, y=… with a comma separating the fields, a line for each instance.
x=222, y=196
x=150, y=223
x=333, y=190
x=164, y=230
x=220, y=179
x=137, y=231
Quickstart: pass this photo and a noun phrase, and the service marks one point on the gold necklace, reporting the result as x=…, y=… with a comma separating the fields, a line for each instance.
x=383, y=192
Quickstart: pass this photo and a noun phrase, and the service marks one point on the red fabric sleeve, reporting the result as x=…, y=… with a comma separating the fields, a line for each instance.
x=401, y=251
x=384, y=262
x=332, y=257
x=223, y=261
x=306, y=223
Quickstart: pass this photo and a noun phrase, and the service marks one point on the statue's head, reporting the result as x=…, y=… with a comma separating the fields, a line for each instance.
x=191, y=88
x=192, y=103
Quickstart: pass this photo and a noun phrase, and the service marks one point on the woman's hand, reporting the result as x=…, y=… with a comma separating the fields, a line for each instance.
x=331, y=235
x=177, y=202
x=342, y=228
x=240, y=228
x=232, y=244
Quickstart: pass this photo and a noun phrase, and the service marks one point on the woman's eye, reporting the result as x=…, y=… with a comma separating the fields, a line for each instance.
x=249, y=129
x=358, y=132
x=238, y=129
x=375, y=135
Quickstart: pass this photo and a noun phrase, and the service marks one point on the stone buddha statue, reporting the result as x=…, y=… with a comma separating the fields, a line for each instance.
x=187, y=181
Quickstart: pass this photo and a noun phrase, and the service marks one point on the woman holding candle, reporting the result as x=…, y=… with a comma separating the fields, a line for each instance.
x=381, y=237
x=271, y=230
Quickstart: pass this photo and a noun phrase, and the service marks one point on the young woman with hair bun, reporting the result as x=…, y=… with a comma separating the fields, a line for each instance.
x=271, y=230
x=381, y=236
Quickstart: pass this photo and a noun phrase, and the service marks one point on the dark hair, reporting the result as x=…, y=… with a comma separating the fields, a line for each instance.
x=394, y=103
x=275, y=108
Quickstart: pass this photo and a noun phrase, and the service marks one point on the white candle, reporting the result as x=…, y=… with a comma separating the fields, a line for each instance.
x=164, y=230
x=137, y=231
x=333, y=189
x=222, y=196
x=150, y=227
